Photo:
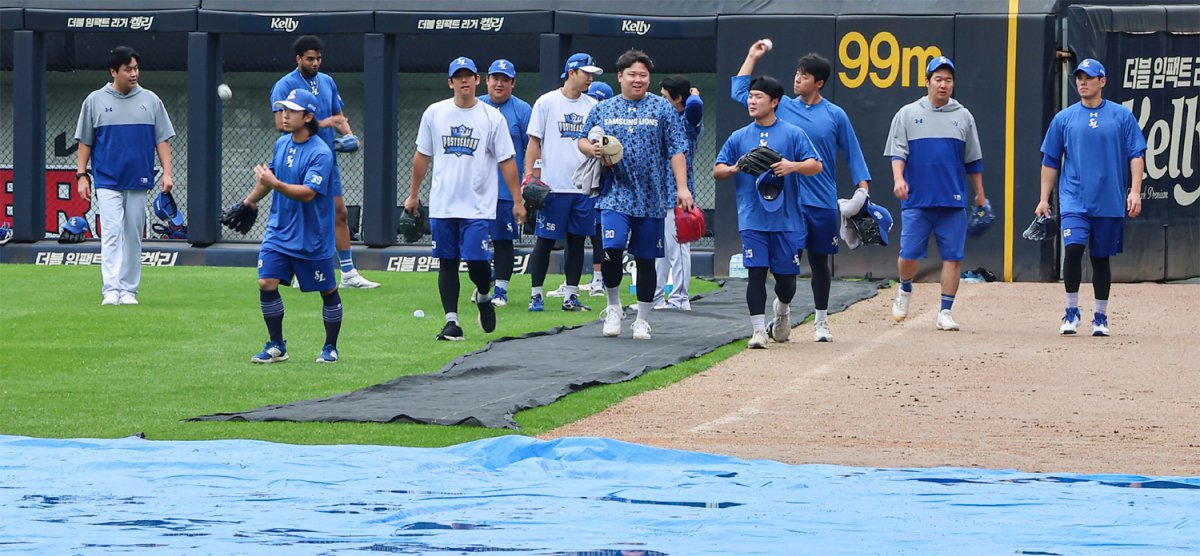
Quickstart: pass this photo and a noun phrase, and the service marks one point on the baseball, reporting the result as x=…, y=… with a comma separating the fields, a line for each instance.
x=419, y=313
x=767, y=44
x=224, y=92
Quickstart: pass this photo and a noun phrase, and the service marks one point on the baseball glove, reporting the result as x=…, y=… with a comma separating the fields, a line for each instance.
x=759, y=160
x=611, y=150
x=410, y=226
x=1041, y=229
x=239, y=217
x=534, y=192
x=346, y=144
x=980, y=219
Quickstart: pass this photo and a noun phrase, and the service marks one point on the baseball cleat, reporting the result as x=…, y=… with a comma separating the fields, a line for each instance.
x=451, y=332
x=271, y=353
x=500, y=297
x=572, y=303
x=945, y=321
x=536, y=305
x=1070, y=321
x=822, y=332
x=900, y=306
x=758, y=340
x=487, y=311
x=641, y=329
x=353, y=279
x=596, y=288
x=329, y=354
x=612, y=315
x=1100, y=324
x=560, y=292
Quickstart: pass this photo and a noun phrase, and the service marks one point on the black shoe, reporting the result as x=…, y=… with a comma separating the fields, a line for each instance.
x=487, y=311
x=451, y=332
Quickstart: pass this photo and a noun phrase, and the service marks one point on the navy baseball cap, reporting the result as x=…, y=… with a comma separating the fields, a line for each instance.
x=76, y=225
x=1090, y=66
x=938, y=63
x=503, y=67
x=581, y=61
x=462, y=62
x=599, y=90
x=299, y=99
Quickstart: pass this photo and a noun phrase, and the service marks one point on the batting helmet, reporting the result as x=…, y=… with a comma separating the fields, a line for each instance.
x=410, y=227
x=1041, y=229
x=689, y=224
x=166, y=209
x=980, y=219
x=770, y=190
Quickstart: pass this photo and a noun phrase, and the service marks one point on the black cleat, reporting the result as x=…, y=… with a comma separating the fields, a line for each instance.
x=451, y=332
x=487, y=311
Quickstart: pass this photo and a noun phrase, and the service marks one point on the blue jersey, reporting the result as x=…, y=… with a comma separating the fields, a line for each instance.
x=789, y=141
x=650, y=132
x=329, y=101
x=123, y=131
x=939, y=145
x=1095, y=146
x=692, y=120
x=516, y=113
x=296, y=229
x=829, y=129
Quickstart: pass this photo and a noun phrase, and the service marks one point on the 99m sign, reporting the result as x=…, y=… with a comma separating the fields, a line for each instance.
x=882, y=60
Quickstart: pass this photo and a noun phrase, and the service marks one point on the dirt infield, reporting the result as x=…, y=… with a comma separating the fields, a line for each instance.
x=1005, y=392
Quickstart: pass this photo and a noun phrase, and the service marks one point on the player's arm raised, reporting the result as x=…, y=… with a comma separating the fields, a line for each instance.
x=757, y=50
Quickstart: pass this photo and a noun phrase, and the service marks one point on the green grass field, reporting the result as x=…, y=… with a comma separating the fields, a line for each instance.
x=70, y=368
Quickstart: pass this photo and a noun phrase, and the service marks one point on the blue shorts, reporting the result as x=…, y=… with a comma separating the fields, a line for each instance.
x=824, y=226
x=947, y=224
x=504, y=227
x=774, y=250
x=566, y=213
x=1103, y=236
x=465, y=239
x=314, y=275
x=642, y=235
x=335, y=184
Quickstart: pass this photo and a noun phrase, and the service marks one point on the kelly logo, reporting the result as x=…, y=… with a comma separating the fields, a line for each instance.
x=460, y=142
x=285, y=24
x=635, y=27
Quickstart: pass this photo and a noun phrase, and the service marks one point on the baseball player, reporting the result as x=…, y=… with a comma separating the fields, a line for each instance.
x=600, y=91
x=299, y=240
x=634, y=205
x=569, y=213
x=121, y=127
x=830, y=131
x=468, y=142
x=770, y=229
x=929, y=142
x=330, y=116
x=1099, y=149
x=677, y=264
x=501, y=78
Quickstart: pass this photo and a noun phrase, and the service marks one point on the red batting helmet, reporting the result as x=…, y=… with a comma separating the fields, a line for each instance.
x=689, y=224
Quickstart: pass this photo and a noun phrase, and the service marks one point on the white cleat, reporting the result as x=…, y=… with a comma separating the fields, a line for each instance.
x=560, y=292
x=1070, y=322
x=945, y=321
x=758, y=340
x=1100, y=325
x=111, y=298
x=128, y=298
x=821, y=331
x=900, y=306
x=612, y=315
x=780, y=328
x=353, y=279
x=641, y=329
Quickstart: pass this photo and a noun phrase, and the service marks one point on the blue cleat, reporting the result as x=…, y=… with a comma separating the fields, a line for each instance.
x=1070, y=322
x=271, y=353
x=572, y=303
x=536, y=305
x=329, y=354
x=1100, y=324
x=500, y=297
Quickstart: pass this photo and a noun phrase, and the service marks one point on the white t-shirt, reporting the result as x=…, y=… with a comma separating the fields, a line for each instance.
x=466, y=145
x=558, y=122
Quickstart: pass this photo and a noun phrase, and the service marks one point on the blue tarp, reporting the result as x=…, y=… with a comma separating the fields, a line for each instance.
x=519, y=495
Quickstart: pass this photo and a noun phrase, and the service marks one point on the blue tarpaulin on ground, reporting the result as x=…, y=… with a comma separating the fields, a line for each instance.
x=593, y=496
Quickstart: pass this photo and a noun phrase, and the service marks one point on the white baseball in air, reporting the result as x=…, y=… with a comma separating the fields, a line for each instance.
x=419, y=313
x=224, y=92
x=768, y=44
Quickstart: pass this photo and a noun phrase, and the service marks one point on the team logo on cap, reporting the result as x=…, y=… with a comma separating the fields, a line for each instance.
x=571, y=126
x=460, y=142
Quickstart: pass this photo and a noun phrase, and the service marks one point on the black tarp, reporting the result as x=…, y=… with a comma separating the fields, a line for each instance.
x=487, y=387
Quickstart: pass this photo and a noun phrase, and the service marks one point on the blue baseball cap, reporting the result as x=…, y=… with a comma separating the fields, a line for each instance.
x=937, y=63
x=770, y=190
x=462, y=62
x=299, y=99
x=581, y=61
x=599, y=90
x=882, y=217
x=166, y=209
x=1090, y=66
x=76, y=225
x=503, y=67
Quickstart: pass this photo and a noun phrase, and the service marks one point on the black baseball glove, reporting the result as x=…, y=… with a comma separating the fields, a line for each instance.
x=534, y=193
x=239, y=217
x=759, y=160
